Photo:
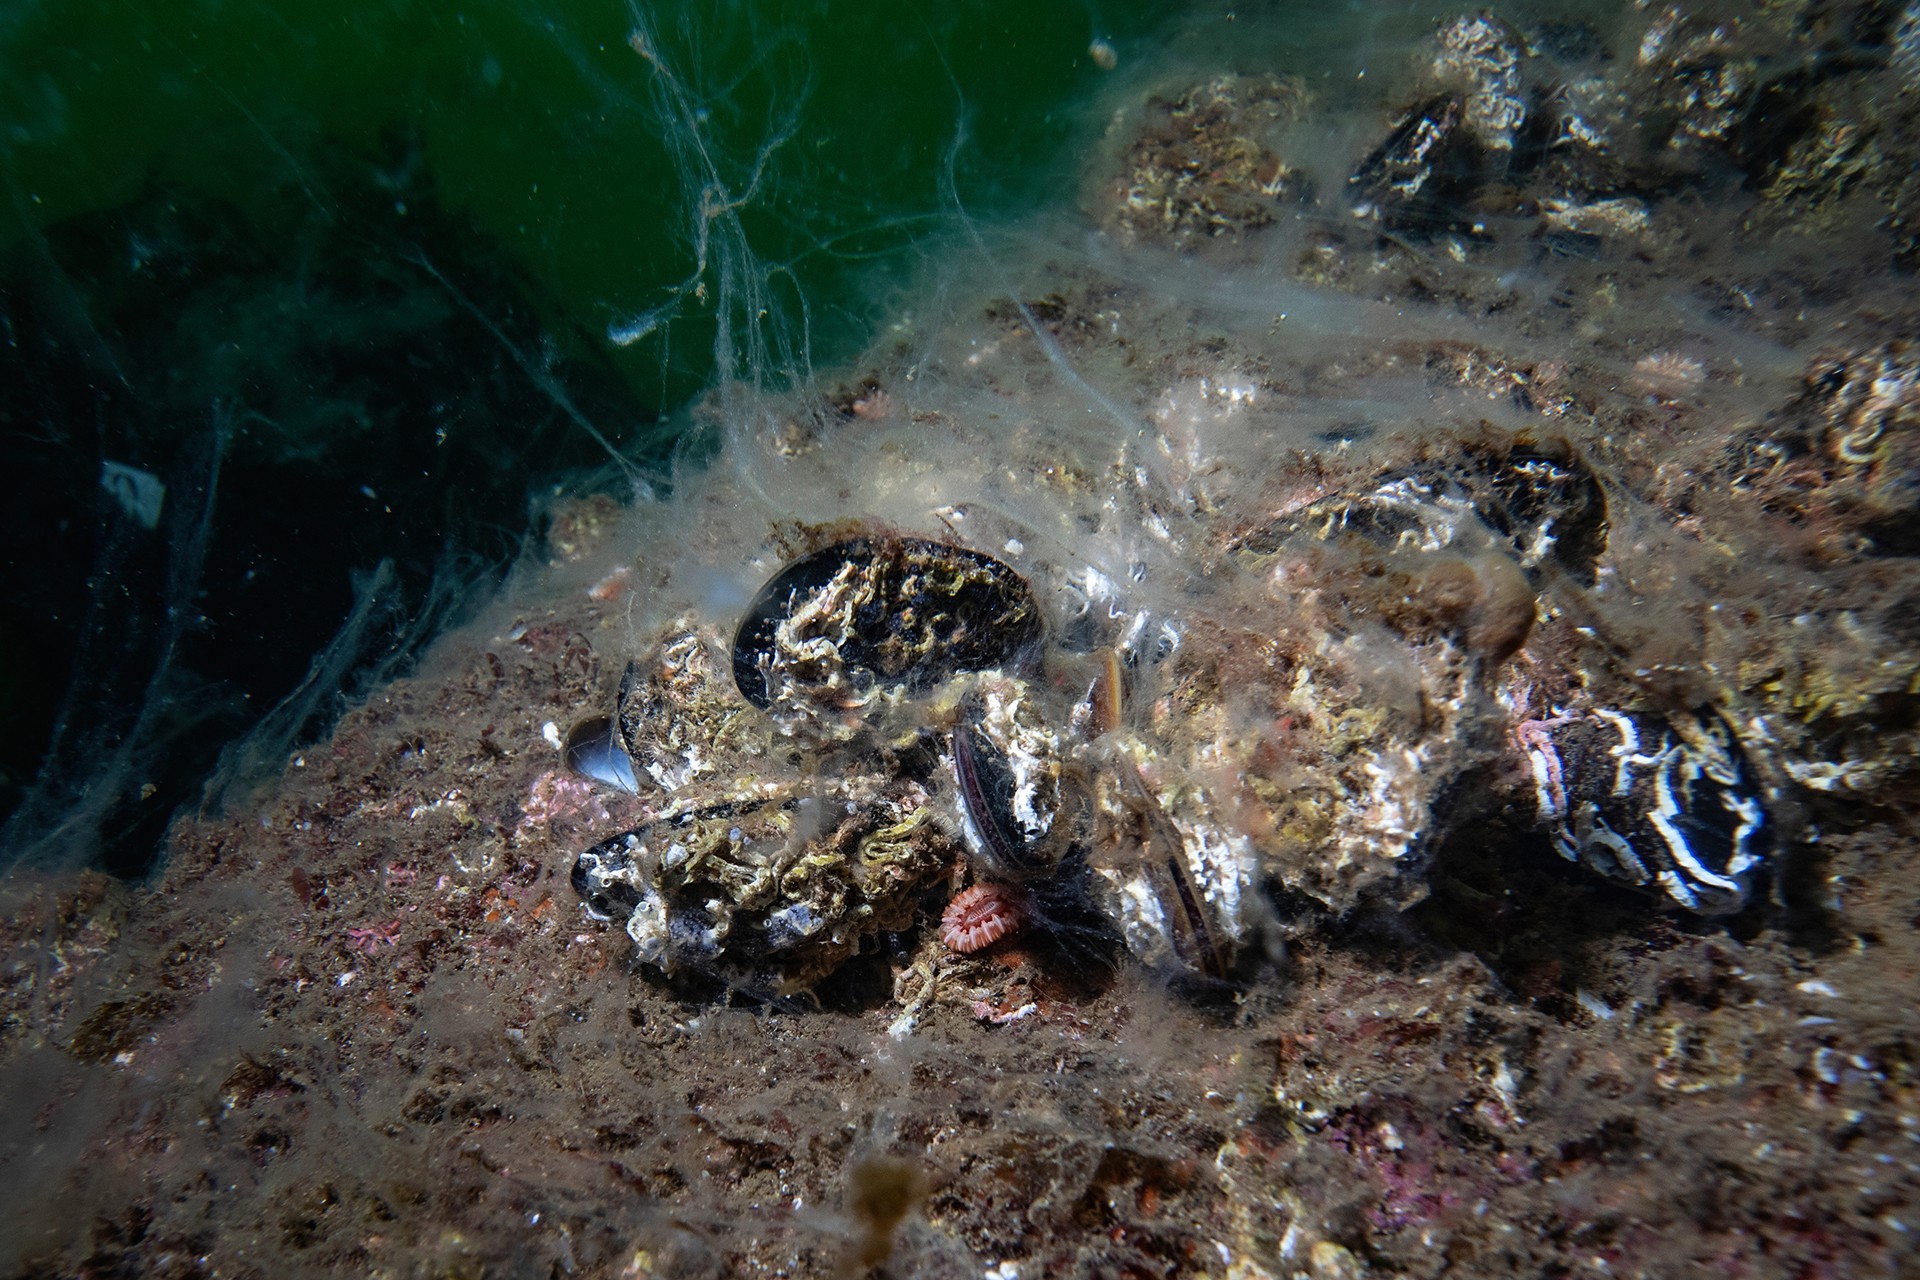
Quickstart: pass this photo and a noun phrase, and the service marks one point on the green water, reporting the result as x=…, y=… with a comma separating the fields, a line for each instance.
x=542, y=124
x=395, y=273
x=398, y=273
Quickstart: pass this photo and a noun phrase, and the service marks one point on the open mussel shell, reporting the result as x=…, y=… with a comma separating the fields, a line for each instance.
x=595, y=752
x=904, y=610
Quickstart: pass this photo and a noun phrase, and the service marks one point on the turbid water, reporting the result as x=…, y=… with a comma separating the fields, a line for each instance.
x=1205, y=643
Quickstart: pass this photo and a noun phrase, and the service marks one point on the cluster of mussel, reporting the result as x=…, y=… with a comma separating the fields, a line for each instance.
x=815, y=772
x=1490, y=569
x=894, y=715
x=889, y=716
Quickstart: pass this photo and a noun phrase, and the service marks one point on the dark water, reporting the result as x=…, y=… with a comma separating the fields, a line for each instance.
x=360, y=284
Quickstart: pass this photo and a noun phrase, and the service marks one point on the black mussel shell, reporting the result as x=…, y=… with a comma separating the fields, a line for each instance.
x=1422, y=172
x=1400, y=509
x=603, y=876
x=987, y=786
x=1198, y=937
x=1551, y=509
x=1548, y=509
x=1671, y=813
x=1421, y=553
x=937, y=610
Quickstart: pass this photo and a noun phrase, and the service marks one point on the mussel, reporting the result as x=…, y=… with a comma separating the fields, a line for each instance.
x=1007, y=766
x=1178, y=897
x=906, y=612
x=596, y=752
x=770, y=894
x=1549, y=506
x=1653, y=804
x=1544, y=506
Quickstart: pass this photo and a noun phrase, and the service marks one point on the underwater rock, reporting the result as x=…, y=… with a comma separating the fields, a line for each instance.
x=1313, y=595
x=1275, y=583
